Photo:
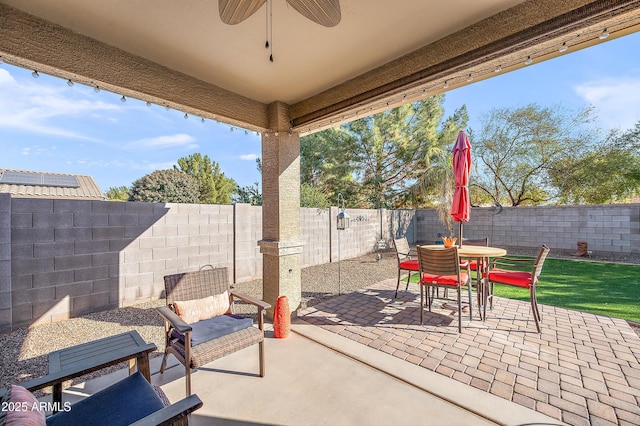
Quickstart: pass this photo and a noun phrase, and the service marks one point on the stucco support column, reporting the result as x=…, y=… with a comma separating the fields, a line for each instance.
x=281, y=244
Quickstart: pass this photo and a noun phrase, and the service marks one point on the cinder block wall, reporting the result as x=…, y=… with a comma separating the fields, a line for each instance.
x=606, y=228
x=400, y=223
x=247, y=231
x=168, y=238
x=315, y=227
x=63, y=258
x=5, y=261
x=360, y=238
x=70, y=257
x=428, y=226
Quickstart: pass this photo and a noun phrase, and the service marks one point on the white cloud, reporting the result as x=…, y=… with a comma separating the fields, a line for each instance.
x=167, y=141
x=248, y=157
x=34, y=107
x=6, y=78
x=617, y=100
x=37, y=150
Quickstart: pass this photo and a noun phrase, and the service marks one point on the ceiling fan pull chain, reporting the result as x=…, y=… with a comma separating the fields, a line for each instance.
x=270, y=29
x=266, y=26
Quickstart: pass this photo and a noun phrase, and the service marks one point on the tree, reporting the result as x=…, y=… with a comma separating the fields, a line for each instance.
x=435, y=183
x=250, y=194
x=608, y=173
x=326, y=163
x=310, y=196
x=376, y=161
x=120, y=193
x=215, y=187
x=166, y=186
x=516, y=149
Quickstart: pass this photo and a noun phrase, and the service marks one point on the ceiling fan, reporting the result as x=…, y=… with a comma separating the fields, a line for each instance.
x=323, y=12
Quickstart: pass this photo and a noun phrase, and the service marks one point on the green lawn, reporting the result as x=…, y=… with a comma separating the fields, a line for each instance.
x=607, y=289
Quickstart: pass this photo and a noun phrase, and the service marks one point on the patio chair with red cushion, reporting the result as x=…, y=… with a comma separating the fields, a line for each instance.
x=406, y=260
x=473, y=263
x=440, y=267
x=519, y=272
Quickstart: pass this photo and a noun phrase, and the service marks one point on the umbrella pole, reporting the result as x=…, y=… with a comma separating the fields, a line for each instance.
x=460, y=236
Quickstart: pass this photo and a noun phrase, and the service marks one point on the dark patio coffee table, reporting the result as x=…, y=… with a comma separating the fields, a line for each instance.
x=85, y=358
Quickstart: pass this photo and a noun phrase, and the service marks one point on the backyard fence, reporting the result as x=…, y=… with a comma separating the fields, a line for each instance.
x=63, y=258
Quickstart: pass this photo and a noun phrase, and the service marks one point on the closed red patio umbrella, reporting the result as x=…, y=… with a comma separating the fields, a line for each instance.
x=461, y=205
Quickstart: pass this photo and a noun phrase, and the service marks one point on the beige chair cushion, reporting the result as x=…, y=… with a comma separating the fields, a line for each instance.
x=201, y=309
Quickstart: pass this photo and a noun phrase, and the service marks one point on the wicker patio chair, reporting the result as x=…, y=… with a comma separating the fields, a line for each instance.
x=200, y=342
x=522, y=273
x=440, y=267
x=406, y=260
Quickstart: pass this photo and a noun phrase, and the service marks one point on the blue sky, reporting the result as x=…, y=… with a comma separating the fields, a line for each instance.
x=606, y=76
x=45, y=125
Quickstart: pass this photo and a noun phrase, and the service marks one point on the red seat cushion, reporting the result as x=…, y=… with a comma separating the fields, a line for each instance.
x=411, y=265
x=444, y=279
x=473, y=265
x=516, y=278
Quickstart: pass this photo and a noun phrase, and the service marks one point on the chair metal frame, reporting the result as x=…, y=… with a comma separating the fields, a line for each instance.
x=474, y=265
x=520, y=266
x=443, y=264
x=407, y=260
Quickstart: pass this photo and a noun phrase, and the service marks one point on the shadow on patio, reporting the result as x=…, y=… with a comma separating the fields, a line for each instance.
x=317, y=377
x=363, y=358
x=582, y=368
x=309, y=382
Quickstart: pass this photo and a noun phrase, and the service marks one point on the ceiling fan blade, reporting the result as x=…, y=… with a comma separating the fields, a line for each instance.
x=323, y=12
x=235, y=11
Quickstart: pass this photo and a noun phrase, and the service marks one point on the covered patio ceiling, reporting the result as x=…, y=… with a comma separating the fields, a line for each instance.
x=381, y=54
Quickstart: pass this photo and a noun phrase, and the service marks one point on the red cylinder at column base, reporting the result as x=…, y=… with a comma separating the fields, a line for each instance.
x=281, y=318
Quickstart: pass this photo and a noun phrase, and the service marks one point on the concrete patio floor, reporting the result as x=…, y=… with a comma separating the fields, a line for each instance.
x=362, y=358
x=309, y=383
x=583, y=369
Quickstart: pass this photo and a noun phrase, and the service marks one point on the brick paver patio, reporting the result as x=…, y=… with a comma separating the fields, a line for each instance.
x=583, y=369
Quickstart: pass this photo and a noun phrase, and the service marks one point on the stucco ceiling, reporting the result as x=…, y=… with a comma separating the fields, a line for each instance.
x=379, y=49
x=189, y=36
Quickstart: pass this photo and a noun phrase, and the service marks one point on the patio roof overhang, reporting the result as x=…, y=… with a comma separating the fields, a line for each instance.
x=380, y=55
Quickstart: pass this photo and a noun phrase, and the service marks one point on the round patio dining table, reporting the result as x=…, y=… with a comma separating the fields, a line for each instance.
x=482, y=255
